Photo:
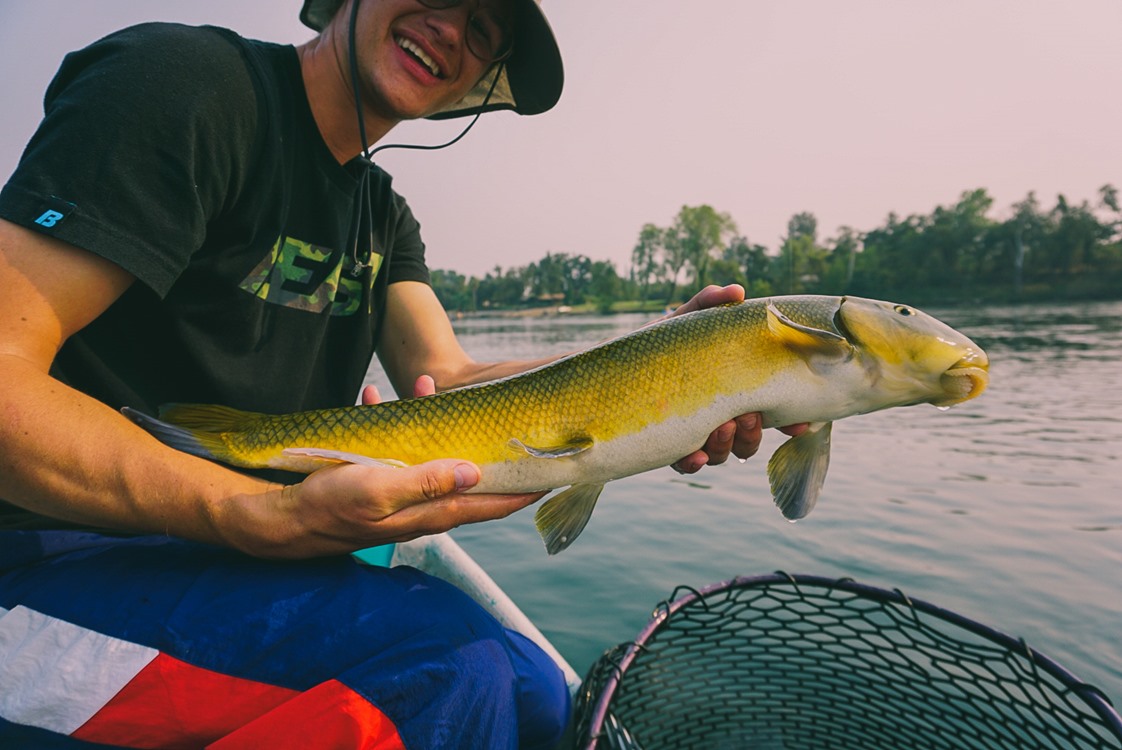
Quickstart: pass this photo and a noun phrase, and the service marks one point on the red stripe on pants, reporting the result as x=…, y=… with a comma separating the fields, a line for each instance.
x=330, y=715
x=171, y=704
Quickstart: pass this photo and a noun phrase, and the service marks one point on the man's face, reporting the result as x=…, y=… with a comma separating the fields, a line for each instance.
x=414, y=60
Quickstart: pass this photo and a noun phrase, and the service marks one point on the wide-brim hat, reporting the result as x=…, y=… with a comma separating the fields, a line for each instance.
x=529, y=81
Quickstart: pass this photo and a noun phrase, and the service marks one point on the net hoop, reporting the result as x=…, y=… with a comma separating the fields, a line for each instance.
x=603, y=683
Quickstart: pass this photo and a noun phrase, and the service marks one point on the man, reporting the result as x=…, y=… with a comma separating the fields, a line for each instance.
x=190, y=223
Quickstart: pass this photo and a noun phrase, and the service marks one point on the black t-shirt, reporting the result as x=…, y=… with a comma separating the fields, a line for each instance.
x=190, y=157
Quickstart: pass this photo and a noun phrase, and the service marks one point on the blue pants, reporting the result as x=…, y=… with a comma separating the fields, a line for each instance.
x=159, y=642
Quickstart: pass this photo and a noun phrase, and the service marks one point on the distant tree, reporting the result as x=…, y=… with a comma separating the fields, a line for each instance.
x=452, y=290
x=547, y=277
x=751, y=260
x=604, y=285
x=803, y=224
x=502, y=289
x=841, y=261
x=699, y=234
x=578, y=278
x=801, y=263
x=646, y=258
x=1026, y=228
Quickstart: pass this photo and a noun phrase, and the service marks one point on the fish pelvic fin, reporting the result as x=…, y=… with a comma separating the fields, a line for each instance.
x=803, y=339
x=570, y=447
x=797, y=470
x=181, y=438
x=562, y=518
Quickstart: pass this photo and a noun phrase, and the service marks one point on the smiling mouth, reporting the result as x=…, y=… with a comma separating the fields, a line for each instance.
x=419, y=55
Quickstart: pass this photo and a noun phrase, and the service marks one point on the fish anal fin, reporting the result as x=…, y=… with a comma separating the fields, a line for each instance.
x=570, y=447
x=797, y=470
x=342, y=457
x=562, y=518
x=805, y=339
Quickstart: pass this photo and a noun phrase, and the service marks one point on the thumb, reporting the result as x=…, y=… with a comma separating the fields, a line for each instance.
x=436, y=479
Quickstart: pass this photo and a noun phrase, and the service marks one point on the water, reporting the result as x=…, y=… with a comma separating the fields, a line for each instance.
x=1006, y=509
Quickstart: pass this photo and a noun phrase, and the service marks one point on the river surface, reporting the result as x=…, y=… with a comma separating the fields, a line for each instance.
x=1006, y=509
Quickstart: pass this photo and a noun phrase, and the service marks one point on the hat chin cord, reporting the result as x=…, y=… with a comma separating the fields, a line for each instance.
x=363, y=211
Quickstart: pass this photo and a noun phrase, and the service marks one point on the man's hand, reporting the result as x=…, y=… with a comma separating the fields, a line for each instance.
x=425, y=386
x=741, y=436
x=344, y=508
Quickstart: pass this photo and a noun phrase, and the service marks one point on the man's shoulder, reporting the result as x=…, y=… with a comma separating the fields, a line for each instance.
x=159, y=52
x=196, y=72
x=172, y=39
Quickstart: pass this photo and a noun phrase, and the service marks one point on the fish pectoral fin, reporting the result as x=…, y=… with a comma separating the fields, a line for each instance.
x=571, y=447
x=562, y=518
x=797, y=470
x=805, y=339
x=343, y=457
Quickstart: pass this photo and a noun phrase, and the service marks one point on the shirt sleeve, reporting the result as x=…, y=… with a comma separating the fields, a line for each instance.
x=146, y=135
x=408, y=260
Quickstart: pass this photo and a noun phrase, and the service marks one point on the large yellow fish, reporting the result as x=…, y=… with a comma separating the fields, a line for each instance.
x=635, y=403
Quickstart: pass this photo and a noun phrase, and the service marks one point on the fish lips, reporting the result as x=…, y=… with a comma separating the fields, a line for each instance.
x=966, y=379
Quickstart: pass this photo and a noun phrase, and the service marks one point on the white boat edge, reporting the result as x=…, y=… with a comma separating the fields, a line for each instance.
x=442, y=557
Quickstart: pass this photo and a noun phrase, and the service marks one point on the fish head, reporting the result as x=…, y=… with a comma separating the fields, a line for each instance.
x=917, y=358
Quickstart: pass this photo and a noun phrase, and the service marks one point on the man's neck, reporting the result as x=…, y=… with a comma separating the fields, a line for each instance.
x=323, y=64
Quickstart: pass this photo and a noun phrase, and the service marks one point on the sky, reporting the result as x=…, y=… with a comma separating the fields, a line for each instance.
x=848, y=109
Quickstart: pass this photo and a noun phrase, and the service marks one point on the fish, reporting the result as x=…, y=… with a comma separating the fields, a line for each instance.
x=631, y=404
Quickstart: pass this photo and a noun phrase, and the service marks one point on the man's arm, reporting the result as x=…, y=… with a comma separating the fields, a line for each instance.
x=68, y=456
x=418, y=341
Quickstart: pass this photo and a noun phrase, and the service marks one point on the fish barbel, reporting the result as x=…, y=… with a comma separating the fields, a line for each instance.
x=635, y=403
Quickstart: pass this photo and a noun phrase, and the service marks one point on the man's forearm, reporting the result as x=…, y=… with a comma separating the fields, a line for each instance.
x=68, y=456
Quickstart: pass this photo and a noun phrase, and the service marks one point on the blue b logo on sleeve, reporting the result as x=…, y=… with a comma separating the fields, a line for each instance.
x=49, y=218
x=56, y=210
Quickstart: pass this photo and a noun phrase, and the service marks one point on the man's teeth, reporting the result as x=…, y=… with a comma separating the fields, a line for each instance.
x=419, y=53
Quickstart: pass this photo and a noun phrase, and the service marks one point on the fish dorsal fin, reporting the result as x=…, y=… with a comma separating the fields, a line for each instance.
x=570, y=447
x=208, y=417
x=331, y=456
x=803, y=338
x=797, y=470
x=563, y=517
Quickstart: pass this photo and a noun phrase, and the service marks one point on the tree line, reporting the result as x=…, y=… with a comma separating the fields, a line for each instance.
x=955, y=253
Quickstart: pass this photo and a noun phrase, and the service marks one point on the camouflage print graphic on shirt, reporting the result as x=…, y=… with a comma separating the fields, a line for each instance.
x=304, y=276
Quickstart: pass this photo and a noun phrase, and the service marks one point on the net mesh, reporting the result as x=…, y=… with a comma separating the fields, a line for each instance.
x=783, y=662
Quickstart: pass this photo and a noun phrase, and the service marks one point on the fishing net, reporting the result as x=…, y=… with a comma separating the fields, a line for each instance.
x=786, y=662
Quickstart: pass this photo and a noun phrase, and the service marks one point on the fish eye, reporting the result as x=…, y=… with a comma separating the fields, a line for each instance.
x=904, y=310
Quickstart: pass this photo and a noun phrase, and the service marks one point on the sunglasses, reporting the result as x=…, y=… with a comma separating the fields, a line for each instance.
x=489, y=35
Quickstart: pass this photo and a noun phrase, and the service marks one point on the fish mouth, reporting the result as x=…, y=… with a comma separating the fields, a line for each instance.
x=965, y=379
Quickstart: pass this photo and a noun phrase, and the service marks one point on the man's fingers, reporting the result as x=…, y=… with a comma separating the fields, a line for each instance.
x=749, y=435
x=452, y=511
x=692, y=463
x=711, y=296
x=720, y=443
x=425, y=386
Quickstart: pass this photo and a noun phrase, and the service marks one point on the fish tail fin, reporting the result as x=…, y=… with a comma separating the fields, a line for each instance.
x=194, y=441
x=561, y=519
